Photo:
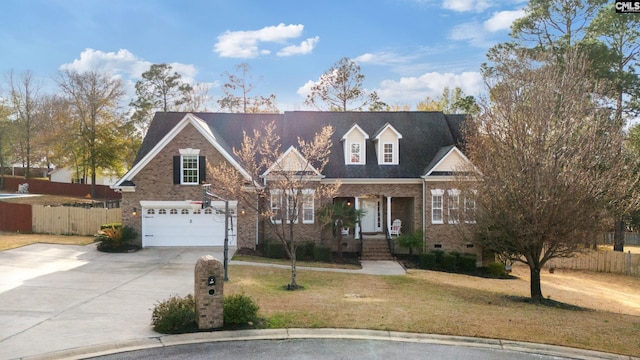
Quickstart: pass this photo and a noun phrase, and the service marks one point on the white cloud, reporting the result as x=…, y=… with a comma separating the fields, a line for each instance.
x=305, y=47
x=124, y=63
x=305, y=89
x=502, y=20
x=245, y=44
x=472, y=32
x=411, y=90
x=120, y=62
x=383, y=58
x=466, y=5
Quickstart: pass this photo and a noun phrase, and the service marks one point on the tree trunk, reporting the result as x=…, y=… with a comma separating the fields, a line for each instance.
x=536, y=289
x=293, y=285
x=618, y=235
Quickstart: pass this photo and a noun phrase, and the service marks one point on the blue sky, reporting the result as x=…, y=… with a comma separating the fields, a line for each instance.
x=407, y=49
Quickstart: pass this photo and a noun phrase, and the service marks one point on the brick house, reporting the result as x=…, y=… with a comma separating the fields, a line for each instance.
x=393, y=165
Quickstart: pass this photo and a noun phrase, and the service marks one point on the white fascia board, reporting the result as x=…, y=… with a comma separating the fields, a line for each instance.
x=373, y=181
x=297, y=153
x=453, y=149
x=202, y=127
x=355, y=127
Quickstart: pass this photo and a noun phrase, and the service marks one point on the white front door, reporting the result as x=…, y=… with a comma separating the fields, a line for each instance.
x=371, y=221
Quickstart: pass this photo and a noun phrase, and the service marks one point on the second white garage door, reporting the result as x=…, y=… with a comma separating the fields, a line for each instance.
x=180, y=223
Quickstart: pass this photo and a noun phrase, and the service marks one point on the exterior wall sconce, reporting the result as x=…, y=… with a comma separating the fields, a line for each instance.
x=135, y=211
x=348, y=202
x=243, y=212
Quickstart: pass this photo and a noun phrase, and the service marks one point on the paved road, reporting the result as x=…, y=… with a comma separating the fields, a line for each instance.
x=320, y=349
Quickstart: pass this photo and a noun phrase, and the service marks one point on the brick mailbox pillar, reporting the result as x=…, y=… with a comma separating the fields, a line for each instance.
x=208, y=290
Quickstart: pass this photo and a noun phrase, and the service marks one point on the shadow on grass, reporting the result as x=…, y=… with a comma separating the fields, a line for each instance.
x=545, y=302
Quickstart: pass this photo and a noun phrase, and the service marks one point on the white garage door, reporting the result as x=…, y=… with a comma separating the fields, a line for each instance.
x=180, y=223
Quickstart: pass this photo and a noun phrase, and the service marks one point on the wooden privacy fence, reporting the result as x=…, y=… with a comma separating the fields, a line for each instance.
x=71, y=220
x=602, y=261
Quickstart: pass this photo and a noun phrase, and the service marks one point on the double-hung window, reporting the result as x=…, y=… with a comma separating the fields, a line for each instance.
x=288, y=206
x=437, y=206
x=276, y=207
x=189, y=169
x=387, y=153
x=470, y=207
x=454, y=206
x=308, y=206
x=356, y=153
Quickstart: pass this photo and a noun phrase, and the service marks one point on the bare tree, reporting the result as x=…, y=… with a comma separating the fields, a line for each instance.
x=341, y=87
x=93, y=98
x=282, y=188
x=24, y=98
x=550, y=166
x=237, y=98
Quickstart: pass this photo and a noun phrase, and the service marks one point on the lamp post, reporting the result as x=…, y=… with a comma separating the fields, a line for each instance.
x=205, y=203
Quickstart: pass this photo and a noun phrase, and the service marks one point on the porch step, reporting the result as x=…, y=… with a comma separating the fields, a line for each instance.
x=375, y=249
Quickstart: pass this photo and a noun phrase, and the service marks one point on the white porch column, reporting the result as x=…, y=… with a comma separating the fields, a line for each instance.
x=356, y=231
x=388, y=213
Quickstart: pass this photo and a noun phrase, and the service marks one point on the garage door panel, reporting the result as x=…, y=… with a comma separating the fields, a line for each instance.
x=184, y=227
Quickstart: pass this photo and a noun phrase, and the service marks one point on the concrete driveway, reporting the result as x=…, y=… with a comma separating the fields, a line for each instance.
x=55, y=297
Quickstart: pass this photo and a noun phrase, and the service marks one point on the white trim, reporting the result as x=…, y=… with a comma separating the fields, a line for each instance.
x=362, y=153
x=466, y=159
x=355, y=127
x=437, y=193
x=373, y=181
x=297, y=153
x=453, y=194
x=189, y=151
x=202, y=128
x=184, y=204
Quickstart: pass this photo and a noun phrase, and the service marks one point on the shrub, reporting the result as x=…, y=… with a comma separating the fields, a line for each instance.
x=116, y=238
x=427, y=261
x=467, y=263
x=239, y=310
x=449, y=262
x=411, y=241
x=321, y=253
x=497, y=270
x=175, y=315
x=304, y=250
x=115, y=225
x=438, y=254
x=274, y=250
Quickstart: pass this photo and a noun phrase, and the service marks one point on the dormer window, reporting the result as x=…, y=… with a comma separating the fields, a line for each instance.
x=355, y=146
x=387, y=155
x=387, y=142
x=356, y=153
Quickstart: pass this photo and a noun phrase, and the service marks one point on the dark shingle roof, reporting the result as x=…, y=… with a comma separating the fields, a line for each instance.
x=424, y=134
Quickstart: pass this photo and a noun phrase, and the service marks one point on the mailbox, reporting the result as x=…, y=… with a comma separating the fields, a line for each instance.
x=208, y=292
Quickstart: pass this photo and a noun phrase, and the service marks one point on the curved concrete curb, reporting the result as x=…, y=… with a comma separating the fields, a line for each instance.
x=353, y=334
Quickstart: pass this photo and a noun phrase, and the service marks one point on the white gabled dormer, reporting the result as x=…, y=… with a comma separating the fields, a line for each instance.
x=355, y=146
x=387, y=142
x=292, y=161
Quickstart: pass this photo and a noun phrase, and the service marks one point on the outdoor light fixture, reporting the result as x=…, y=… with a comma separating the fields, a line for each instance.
x=348, y=202
x=135, y=211
x=243, y=211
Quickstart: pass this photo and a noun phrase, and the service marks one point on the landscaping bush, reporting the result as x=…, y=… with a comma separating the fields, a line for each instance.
x=497, y=270
x=304, y=250
x=175, y=315
x=274, y=250
x=427, y=261
x=449, y=262
x=467, y=263
x=116, y=239
x=438, y=254
x=412, y=241
x=322, y=253
x=239, y=310
x=115, y=225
